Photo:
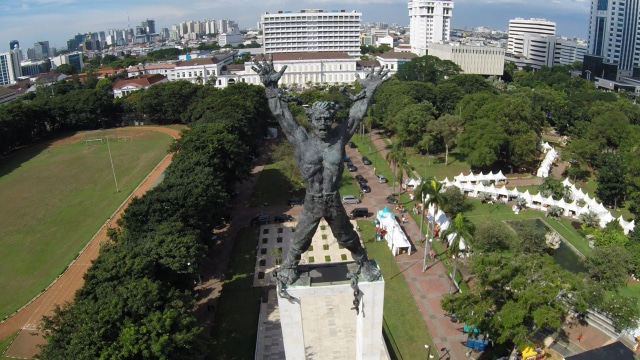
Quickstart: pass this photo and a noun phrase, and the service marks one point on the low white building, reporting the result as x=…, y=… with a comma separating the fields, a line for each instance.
x=127, y=86
x=481, y=60
x=391, y=60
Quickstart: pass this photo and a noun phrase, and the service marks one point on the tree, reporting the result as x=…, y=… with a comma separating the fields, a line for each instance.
x=427, y=69
x=516, y=295
x=530, y=237
x=66, y=69
x=460, y=231
x=492, y=237
x=430, y=189
x=609, y=266
x=455, y=202
x=397, y=156
x=447, y=128
x=611, y=180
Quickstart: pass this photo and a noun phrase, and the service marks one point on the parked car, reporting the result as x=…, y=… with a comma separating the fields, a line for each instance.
x=295, y=201
x=260, y=219
x=346, y=159
x=381, y=179
x=351, y=167
x=360, y=179
x=350, y=199
x=392, y=199
x=366, y=161
x=359, y=212
x=365, y=188
x=280, y=218
x=352, y=144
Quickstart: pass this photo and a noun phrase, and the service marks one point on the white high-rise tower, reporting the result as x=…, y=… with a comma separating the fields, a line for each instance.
x=429, y=21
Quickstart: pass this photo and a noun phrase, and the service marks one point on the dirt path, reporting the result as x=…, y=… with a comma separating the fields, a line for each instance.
x=65, y=286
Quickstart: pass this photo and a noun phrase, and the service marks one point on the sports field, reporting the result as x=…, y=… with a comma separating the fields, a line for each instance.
x=54, y=199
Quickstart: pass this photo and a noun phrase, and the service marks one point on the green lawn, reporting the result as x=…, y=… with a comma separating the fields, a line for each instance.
x=4, y=345
x=54, y=201
x=234, y=333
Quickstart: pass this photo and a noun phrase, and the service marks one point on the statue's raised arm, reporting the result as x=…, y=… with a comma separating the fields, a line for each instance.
x=363, y=99
x=277, y=101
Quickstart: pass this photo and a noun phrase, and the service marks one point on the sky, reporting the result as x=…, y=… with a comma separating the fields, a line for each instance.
x=56, y=21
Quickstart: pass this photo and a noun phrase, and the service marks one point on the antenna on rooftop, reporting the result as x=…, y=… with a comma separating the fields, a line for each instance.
x=128, y=23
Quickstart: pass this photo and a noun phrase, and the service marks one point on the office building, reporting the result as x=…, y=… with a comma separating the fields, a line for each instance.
x=614, y=47
x=10, y=69
x=74, y=59
x=311, y=30
x=41, y=50
x=149, y=26
x=519, y=27
x=429, y=22
x=481, y=60
x=13, y=44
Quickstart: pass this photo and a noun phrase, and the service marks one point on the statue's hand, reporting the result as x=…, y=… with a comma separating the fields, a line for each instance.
x=361, y=95
x=373, y=79
x=268, y=75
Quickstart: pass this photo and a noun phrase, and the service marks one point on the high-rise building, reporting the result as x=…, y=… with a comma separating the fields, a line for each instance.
x=13, y=44
x=10, y=69
x=429, y=22
x=311, y=30
x=518, y=27
x=613, y=43
x=149, y=26
x=41, y=49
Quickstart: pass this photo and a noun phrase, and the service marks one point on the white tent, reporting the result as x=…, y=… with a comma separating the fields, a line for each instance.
x=492, y=190
x=545, y=146
x=525, y=195
x=462, y=244
x=514, y=193
x=396, y=238
x=480, y=177
x=578, y=194
x=573, y=207
x=566, y=182
x=503, y=192
x=413, y=182
x=460, y=178
x=549, y=201
x=564, y=206
x=471, y=178
x=605, y=218
x=499, y=176
x=537, y=201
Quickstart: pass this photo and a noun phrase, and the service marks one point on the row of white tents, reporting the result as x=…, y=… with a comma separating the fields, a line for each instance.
x=549, y=158
x=539, y=202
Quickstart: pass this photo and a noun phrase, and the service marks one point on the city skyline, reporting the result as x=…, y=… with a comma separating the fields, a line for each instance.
x=56, y=21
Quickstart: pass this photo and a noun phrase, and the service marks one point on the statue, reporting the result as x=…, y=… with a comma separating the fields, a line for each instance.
x=319, y=155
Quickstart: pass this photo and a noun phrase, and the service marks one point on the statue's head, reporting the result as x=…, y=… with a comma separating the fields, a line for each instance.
x=321, y=116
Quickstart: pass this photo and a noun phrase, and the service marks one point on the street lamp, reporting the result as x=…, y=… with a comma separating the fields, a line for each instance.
x=429, y=356
x=113, y=169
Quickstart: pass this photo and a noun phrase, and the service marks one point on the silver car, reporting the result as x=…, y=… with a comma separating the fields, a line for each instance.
x=350, y=199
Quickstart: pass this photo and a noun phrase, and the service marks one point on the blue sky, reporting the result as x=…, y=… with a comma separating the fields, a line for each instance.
x=29, y=21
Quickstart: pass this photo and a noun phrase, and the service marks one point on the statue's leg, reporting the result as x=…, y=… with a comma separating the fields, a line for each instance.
x=343, y=231
x=305, y=229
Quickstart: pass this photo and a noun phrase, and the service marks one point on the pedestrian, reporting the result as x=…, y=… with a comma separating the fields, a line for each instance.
x=579, y=337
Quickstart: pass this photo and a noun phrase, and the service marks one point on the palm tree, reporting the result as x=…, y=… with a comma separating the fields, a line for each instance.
x=398, y=157
x=430, y=190
x=590, y=218
x=459, y=229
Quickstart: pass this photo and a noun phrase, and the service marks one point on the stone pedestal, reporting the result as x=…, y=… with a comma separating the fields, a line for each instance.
x=320, y=322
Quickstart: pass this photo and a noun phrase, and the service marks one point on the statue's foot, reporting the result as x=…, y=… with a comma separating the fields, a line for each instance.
x=369, y=271
x=287, y=276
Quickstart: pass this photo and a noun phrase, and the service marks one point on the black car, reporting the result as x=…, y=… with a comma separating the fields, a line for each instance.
x=351, y=144
x=260, y=219
x=359, y=212
x=365, y=188
x=346, y=159
x=295, y=201
x=360, y=179
x=391, y=199
x=351, y=167
x=280, y=218
x=366, y=161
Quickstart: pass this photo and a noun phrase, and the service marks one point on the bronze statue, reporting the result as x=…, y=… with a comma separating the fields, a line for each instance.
x=319, y=155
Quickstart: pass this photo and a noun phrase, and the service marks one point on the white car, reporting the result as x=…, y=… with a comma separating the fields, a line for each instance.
x=350, y=199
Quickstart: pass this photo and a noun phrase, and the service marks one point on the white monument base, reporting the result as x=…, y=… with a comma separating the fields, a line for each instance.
x=320, y=322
